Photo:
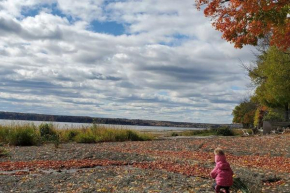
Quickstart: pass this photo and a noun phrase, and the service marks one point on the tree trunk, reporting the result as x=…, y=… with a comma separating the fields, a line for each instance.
x=286, y=112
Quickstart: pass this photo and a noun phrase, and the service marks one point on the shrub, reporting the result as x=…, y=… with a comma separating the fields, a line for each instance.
x=133, y=136
x=174, y=134
x=24, y=136
x=205, y=132
x=67, y=135
x=95, y=129
x=111, y=134
x=56, y=140
x=46, y=131
x=71, y=134
x=121, y=136
x=107, y=135
x=224, y=131
x=4, y=132
x=85, y=137
x=146, y=137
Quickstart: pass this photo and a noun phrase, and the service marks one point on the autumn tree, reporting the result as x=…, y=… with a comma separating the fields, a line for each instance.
x=259, y=115
x=244, y=22
x=244, y=113
x=271, y=75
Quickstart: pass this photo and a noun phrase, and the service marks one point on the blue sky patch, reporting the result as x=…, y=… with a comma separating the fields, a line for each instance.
x=177, y=40
x=110, y=27
x=30, y=11
x=163, y=93
x=235, y=88
x=180, y=36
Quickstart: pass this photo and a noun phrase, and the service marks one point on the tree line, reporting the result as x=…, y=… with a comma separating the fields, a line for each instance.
x=97, y=120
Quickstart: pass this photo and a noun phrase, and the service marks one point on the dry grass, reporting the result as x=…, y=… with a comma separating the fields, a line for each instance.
x=29, y=134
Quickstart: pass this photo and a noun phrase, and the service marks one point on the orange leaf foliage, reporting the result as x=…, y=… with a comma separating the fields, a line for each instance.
x=244, y=22
x=55, y=164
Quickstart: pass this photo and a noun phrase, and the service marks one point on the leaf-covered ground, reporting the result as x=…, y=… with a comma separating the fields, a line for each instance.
x=173, y=165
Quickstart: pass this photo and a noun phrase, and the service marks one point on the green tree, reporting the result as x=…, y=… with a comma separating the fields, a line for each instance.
x=244, y=113
x=271, y=75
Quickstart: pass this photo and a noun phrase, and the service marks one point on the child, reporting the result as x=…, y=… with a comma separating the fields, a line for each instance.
x=222, y=173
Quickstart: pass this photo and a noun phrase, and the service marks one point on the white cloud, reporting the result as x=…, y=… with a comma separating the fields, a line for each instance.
x=52, y=64
x=86, y=9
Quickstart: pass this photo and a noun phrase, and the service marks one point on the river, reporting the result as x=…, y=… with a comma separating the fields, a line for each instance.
x=69, y=125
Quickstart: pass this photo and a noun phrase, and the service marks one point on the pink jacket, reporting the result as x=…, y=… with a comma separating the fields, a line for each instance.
x=222, y=173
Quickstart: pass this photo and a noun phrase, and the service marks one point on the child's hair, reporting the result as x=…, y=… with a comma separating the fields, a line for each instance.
x=219, y=151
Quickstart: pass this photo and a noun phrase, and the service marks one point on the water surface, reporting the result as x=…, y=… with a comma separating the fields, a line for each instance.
x=69, y=125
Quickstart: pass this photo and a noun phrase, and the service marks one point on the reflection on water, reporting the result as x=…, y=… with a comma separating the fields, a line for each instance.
x=67, y=125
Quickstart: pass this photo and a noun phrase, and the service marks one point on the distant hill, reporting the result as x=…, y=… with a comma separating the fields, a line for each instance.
x=113, y=121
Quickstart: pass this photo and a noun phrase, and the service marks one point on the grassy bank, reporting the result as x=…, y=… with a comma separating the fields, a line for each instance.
x=29, y=134
x=222, y=131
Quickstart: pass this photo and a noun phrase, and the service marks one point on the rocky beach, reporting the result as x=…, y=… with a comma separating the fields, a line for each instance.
x=174, y=164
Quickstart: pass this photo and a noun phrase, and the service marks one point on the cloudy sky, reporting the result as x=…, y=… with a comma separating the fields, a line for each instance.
x=150, y=59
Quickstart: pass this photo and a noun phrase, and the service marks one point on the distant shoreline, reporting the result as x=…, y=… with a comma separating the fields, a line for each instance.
x=97, y=120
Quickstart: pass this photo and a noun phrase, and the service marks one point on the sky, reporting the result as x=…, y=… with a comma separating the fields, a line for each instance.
x=135, y=59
